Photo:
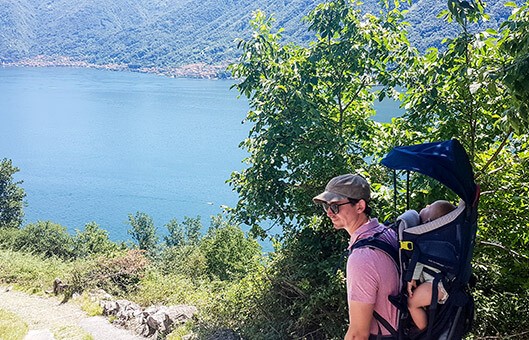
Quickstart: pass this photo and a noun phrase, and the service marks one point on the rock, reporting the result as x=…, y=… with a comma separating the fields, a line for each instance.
x=59, y=287
x=98, y=295
x=181, y=313
x=153, y=321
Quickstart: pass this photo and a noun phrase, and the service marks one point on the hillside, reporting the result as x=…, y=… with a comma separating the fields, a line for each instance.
x=168, y=33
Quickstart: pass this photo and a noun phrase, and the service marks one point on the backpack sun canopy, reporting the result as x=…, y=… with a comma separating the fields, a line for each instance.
x=445, y=161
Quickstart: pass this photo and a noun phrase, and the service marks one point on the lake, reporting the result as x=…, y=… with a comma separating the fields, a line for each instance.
x=97, y=145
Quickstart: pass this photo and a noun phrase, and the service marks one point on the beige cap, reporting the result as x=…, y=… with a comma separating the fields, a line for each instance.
x=345, y=186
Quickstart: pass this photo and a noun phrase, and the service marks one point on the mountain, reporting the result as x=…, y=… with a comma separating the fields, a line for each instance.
x=168, y=33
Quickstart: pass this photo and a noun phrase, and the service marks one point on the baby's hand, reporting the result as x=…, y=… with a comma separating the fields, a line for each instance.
x=411, y=285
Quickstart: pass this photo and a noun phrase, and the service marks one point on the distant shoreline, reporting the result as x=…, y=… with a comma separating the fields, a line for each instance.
x=196, y=70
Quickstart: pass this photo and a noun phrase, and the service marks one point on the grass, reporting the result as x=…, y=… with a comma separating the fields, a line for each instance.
x=179, y=332
x=71, y=333
x=30, y=273
x=90, y=306
x=12, y=327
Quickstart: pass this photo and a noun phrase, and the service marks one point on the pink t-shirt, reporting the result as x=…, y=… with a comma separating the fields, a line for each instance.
x=372, y=275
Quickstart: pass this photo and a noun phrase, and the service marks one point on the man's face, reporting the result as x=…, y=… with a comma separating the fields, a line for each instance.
x=347, y=214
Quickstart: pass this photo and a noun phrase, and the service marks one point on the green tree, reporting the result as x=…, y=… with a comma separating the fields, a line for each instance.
x=46, y=238
x=175, y=236
x=186, y=233
x=472, y=91
x=11, y=196
x=193, y=230
x=229, y=254
x=143, y=232
x=310, y=107
x=93, y=240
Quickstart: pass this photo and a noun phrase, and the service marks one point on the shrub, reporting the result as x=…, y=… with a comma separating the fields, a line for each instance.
x=186, y=260
x=46, y=238
x=502, y=314
x=118, y=275
x=121, y=273
x=167, y=289
x=235, y=304
x=229, y=254
x=30, y=272
x=301, y=296
x=9, y=238
x=92, y=241
x=501, y=293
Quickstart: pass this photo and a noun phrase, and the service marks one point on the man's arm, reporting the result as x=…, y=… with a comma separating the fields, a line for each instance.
x=360, y=316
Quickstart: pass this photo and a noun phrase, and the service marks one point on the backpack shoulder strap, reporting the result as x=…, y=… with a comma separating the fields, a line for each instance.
x=375, y=242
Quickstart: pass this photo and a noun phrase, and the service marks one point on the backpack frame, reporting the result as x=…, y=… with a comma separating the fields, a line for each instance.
x=446, y=245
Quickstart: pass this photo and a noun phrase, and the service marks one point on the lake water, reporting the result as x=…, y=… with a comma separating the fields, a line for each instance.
x=96, y=145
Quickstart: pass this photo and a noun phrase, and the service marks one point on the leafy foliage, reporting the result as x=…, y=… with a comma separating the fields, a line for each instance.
x=514, y=47
x=470, y=89
x=187, y=232
x=229, y=254
x=11, y=196
x=309, y=104
x=30, y=272
x=117, y=274
x=45, y=238
x=302, y=296
x=93, y=240
x=186, y=260
x=143, y=231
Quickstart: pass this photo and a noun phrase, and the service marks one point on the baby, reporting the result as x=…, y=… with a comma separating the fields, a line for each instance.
x=420, y=296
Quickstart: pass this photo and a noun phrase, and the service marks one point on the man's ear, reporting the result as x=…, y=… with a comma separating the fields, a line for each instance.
x=361, y=206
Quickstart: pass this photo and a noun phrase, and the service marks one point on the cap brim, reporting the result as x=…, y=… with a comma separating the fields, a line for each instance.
x=328, y=196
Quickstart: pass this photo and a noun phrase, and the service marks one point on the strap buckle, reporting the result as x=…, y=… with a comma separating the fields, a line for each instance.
x=406, y=245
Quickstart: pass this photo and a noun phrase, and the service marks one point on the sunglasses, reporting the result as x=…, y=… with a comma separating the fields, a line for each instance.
x=335, y=207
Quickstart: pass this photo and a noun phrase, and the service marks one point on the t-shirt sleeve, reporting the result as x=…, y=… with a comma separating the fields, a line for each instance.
x=362, y=276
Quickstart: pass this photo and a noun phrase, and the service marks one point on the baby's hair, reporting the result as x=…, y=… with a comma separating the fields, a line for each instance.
x=441, y=208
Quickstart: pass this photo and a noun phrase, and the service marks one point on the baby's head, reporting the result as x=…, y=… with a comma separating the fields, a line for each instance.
x=436, y=210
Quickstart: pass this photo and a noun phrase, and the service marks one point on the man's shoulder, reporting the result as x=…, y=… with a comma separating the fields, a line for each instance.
x=380, y=245
x=383, y=233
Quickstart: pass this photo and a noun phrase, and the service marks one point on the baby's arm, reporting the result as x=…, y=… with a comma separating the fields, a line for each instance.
x=416, y=275
x=411, y=285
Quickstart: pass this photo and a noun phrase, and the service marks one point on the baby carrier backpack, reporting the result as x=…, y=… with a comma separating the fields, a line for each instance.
x=445, y=244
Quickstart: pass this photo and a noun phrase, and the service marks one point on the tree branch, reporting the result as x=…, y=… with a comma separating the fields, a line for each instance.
x=494, y=337
x=510, y=251
x=496, y=153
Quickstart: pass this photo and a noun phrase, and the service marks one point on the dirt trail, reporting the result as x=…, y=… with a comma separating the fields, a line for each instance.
x=48, y=319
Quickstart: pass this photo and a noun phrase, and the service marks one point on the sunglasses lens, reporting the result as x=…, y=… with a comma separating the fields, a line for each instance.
x=334, y=207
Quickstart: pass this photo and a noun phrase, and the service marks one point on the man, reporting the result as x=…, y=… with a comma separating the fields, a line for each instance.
x=371, y=274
